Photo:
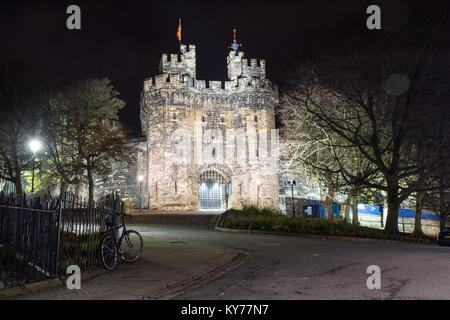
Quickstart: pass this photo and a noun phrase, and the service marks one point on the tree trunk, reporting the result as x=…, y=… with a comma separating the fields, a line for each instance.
x=347, y=208
x=355, y=221
x=392, y=217
x=393, y=207
x=64, y=185
x=77, y=193
x=329, y=202
x=420, y=195
x=442, y=205
x=77, y=190
x=442, y=221
x=91, y=186
x=18, y=185
x=418, y=218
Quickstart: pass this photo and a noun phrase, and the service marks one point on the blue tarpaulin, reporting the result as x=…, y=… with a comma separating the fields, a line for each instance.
x=411, y=213
x=367, y=209
x=402, y=213
x=316, y=211
x=336, y=210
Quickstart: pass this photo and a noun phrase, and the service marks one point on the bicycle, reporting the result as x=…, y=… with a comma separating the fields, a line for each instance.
x=128, y=247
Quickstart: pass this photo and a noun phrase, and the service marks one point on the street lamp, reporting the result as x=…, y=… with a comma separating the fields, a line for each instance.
x=140, y=179
x=292, y=184
x=258, y=183
x=35, y=145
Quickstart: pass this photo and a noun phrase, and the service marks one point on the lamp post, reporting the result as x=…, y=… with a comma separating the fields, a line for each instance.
x=258, y=184
x=381, y=215
x=35, y=145
x=292, y=184
x=140, y=179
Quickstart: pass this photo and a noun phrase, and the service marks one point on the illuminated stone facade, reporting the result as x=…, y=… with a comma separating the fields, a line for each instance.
x=210, y=144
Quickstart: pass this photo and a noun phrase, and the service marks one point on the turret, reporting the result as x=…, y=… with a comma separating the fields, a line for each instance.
x=182, y=63
x=238, y=67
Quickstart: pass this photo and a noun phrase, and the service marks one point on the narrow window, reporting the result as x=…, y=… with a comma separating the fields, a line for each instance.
x=156, y=190
x=174, y=116
x=203, y=118
x=256, y=118
x=176, y=190
x=222, y=120
x=257, y=144
x=214, y=152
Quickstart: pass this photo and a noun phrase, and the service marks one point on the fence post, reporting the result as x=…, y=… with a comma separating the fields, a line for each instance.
x=58, y=242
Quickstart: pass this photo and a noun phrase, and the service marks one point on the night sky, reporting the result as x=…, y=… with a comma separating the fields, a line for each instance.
x=124, y=40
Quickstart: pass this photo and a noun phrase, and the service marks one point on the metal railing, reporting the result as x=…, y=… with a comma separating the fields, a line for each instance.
x=80, y=230
x=39, y=238
x=27, y=233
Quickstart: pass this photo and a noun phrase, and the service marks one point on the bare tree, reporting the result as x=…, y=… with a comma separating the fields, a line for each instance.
x=371, y=104
x=19, y=104
x=320, y=152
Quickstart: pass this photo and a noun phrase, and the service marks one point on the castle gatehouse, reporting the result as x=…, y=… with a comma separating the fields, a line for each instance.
x=208, y=144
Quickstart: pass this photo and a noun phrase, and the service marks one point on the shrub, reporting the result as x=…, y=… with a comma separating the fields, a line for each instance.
x=269, y=219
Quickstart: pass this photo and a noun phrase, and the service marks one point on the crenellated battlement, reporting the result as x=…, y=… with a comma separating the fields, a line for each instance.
x=187, y=48
x=180, y=81
x=239, y=67
x=179, y=71
x=181, y=63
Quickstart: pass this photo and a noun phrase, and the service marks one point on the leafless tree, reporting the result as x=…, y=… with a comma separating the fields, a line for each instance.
x=19, y=105
x=370, y=104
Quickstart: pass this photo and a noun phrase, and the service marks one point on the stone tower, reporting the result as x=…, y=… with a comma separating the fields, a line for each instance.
x=210, y=144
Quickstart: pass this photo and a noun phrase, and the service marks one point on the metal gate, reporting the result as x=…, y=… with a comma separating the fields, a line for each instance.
x=211, y=193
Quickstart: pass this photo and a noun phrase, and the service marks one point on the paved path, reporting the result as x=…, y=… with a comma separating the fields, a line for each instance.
x=290, y=267
x=279, y=267
x=164, y=268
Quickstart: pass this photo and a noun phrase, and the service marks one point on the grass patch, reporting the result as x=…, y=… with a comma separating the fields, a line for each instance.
x=82, y=250
x=267, y=219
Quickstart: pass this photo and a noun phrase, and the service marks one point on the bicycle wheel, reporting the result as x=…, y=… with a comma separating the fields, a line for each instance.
x=131, y=246
x=108, y=251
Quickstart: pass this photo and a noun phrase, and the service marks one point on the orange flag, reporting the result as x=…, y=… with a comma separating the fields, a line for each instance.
x=179, y=31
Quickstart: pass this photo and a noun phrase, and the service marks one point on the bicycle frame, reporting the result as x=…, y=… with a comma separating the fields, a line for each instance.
x=113, y=229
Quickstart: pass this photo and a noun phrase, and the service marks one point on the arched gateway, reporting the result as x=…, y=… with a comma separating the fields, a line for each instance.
x=214, y=191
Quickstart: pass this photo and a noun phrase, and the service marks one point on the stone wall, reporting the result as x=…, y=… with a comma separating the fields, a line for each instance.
x=224, y=126
x=124, y=178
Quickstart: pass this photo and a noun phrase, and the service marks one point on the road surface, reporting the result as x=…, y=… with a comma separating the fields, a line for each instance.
x=292, y=267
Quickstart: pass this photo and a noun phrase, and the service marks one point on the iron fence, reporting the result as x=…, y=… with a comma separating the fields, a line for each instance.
x=39, y=237
x=27, y=233
x=80, y=232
